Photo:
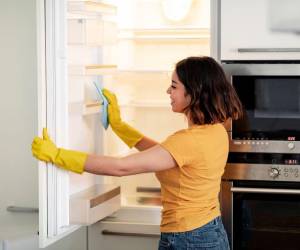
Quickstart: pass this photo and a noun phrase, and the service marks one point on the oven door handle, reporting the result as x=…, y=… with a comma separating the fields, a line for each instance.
x=264, y=190
x=251, y=50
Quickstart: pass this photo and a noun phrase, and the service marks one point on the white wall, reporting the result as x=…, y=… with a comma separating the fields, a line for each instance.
x=18, y=126
x=18, y=109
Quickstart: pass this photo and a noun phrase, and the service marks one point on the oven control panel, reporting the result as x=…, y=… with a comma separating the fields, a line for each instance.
x=274, y=172
x=289, y=173
x=264, y=146
x=263, y=166
x=261, y=172
x=284, y=173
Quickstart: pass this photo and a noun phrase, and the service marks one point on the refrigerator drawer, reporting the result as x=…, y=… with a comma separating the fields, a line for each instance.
x=94, y=204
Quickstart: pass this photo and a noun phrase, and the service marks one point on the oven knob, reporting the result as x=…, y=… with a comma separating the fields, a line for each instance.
x=274, y=172
x=291, y=145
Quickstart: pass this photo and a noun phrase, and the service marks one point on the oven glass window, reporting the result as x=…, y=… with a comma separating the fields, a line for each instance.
x=266, y=221
x=271, y=107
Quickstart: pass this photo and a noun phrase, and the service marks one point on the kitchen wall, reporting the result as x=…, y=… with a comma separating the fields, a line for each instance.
x=18, y=126
x=18, y=109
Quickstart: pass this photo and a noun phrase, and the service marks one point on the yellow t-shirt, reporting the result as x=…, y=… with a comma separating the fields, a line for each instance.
x=190, y=191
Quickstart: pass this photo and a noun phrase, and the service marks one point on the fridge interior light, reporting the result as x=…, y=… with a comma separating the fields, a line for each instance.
x=176, y=10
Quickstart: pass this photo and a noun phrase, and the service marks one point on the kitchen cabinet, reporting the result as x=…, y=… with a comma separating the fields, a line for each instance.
x=127, y=236
x=75, y=241
x=129, y=228
x=259, y=30
x=83, y=43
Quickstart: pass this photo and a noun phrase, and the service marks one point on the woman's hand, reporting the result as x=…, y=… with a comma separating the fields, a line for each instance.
x=45, y=150
x=125, y=132
x=113, y=108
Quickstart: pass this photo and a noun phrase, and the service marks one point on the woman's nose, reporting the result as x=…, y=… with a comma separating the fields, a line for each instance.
x=169, y=90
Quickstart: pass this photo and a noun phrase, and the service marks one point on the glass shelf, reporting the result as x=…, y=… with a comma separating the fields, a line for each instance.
x=86, y=9
x=144, y=71
x=93, y=69
x=110, y=69
x=147, y=104
x=88, y=108
x=94, y=107
x=168, y=34
x=142, y=201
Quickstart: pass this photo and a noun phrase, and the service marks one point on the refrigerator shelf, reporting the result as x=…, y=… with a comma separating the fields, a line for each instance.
x=93, y=69
x=147, y=104
x=88, y=108
x=111, y=69
x=143, y=71
x=136, y=201
x=90, y=8
x=91, y=108
x=161, y=34
x=162, y=38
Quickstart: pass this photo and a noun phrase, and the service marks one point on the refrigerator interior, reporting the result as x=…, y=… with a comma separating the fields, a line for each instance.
x=129, y=47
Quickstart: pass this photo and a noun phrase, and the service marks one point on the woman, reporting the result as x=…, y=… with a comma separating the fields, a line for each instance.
x=189, y=164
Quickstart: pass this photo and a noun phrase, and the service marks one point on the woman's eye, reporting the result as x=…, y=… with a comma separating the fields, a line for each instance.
x=173, y=87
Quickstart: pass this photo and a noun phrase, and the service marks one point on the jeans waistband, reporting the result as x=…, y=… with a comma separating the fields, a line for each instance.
x=214, y=222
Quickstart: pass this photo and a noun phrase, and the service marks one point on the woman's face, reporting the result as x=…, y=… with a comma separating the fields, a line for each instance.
x=179, y=99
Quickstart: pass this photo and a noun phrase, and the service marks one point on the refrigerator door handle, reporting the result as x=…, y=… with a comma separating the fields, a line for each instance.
x=253, y=50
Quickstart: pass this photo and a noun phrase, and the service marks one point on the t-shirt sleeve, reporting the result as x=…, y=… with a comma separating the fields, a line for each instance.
x=173, y=144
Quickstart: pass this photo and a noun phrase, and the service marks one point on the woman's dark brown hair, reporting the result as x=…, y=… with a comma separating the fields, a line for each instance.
x=213, y=99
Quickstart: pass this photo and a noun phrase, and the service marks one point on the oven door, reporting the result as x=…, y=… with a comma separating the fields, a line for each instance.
x=270, y=94
x=263, y=215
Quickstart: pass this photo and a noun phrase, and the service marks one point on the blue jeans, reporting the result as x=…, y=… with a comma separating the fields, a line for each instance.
x=211, y=236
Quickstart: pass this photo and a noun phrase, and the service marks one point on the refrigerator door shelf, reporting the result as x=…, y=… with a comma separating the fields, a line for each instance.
x=94, y=204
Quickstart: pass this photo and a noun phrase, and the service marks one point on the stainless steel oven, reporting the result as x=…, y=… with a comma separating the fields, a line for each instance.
x=270, y=94
x=260, y=200
x=260, y=195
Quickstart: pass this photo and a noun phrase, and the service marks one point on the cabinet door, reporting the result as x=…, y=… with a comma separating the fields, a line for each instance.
x=260, y=30
x=123, y=235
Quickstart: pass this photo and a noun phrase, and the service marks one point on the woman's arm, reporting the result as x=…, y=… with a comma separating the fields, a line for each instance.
x=145, y=143
x=155, y=158
x=151, y=160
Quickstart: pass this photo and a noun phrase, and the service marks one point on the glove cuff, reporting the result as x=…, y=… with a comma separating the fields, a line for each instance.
x=71, y=160
x=129, y=135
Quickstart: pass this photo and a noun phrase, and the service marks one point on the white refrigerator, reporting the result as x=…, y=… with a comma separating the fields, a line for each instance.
x=129, y=47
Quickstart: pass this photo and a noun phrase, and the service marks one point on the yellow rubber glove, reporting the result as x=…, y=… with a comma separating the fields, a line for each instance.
x=125, y=132
x=45, y=150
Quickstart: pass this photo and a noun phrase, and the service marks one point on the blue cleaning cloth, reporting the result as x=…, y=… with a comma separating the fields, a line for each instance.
x=104, y=117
